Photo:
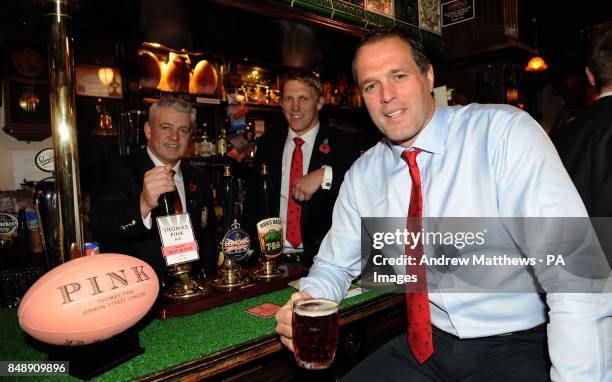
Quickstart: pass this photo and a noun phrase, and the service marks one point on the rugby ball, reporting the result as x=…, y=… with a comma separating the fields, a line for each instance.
x=88, y=299
x=204, y=79
x=150, y=71
x=177, y=75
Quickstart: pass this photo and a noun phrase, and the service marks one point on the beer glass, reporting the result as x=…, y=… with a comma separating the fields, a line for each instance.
x=315, y=332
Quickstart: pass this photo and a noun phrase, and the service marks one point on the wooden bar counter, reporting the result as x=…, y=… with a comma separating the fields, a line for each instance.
x=227, y=343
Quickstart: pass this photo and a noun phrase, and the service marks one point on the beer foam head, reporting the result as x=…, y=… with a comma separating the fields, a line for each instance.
x=315, y=307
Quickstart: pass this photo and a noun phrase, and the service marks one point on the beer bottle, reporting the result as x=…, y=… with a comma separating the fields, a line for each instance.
x=207, y=147
x=222, y=143
x=227, y=197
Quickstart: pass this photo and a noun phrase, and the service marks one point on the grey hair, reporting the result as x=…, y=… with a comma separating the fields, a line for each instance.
x=175, y=103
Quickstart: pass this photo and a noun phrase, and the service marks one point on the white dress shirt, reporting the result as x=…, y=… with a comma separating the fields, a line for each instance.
x=178, y=181
x=309, y=140
x=477, y=161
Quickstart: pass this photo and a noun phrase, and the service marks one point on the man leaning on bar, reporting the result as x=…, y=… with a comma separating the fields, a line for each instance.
x=463, y=161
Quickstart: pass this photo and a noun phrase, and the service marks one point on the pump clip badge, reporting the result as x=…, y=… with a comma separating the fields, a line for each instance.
x=270, y=232
x=236, y=243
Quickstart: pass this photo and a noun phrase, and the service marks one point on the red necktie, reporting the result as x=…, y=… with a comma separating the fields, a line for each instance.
x=294, y=210
x=417, y=300
x=176, y=199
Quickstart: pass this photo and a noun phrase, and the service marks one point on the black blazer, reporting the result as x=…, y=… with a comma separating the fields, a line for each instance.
x=316, y=213
x=117, y=225
x=585, y=147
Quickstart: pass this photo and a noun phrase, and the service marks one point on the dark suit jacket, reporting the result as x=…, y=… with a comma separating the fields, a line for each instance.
x=115, y=215
x=585, y=147
x=316, y=213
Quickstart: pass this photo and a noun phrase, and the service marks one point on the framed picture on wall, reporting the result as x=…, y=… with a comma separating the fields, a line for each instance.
x=26, y=91
x=98, y=81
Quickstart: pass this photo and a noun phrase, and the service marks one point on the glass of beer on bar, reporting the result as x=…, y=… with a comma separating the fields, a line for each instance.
x=315, y=332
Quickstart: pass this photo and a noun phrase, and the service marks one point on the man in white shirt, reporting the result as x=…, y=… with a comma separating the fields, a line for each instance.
x=127, y=200
x=475, y=161
x=306, y=176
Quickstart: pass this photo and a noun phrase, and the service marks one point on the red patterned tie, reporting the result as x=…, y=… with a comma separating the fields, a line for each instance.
x=176, y=199
x=417, y=299
x=294, y=210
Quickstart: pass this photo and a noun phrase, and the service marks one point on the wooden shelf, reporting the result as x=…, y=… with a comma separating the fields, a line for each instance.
x=28, y=132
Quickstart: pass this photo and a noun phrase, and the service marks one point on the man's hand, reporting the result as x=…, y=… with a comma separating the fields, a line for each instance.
x=305, y=186
x=284, y=319
x=156, y=181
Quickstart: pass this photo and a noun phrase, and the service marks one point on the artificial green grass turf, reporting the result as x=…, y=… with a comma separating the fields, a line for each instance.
x=174, y=341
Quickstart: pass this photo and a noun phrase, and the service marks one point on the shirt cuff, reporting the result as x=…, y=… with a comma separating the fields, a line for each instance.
x=147, y=221
x=328, y=177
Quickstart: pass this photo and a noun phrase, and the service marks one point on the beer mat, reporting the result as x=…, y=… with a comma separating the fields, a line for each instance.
x=354, y=290
x=264, y=310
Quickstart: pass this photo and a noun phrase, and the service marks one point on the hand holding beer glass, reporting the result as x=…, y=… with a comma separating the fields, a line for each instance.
x=309, y=327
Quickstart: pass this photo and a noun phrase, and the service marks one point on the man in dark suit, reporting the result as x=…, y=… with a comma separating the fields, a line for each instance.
x=585, y=143
x=307, y=163
x=127, y=201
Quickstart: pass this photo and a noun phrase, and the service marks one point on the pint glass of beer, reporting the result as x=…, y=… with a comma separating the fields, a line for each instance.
x=315, y=332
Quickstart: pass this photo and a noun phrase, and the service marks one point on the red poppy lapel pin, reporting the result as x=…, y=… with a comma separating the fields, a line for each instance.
x=324, y=147
x=193, y=187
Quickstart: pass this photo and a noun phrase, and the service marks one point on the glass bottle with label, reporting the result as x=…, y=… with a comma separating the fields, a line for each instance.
x=222, y=143
x=207, y=147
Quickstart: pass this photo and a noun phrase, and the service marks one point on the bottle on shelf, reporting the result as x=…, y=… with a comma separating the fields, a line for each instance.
x=207, y=147
x=249, y=135
x=222, y=143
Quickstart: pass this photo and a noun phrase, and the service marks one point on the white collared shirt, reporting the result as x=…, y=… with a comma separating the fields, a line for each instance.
x=178, y=181
x=476, y=161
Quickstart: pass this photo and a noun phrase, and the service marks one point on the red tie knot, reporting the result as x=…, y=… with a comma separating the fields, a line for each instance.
x=410, y=157
x=298, y=141
x=172, y=172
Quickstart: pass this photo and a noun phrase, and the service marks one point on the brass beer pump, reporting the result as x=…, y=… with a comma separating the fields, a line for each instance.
x=235, y=244
x=269, y=230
